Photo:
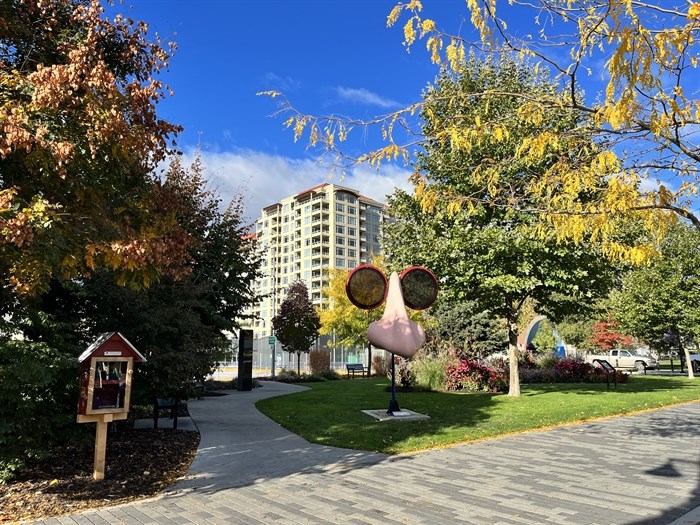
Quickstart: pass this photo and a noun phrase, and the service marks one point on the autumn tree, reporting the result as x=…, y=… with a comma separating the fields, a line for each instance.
x=79, y=138
x=482, y=252
x=339, y=316
x=180, y=325
x=606, y=335
x=297, y=323
x=646, y=115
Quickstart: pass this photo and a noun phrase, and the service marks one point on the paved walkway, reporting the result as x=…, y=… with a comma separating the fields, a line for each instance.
x=634, y=470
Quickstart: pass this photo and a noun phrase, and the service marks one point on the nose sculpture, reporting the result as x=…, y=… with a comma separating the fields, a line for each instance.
x=395, y=332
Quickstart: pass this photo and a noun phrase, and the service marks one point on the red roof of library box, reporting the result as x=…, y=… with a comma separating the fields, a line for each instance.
x=111, y=344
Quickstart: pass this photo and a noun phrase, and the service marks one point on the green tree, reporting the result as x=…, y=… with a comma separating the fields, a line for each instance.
x=179, y=325
x=297, y=323
x=481, y=251
x=662, y=298
x=545, y=340
x=576, y=330
x=472, y=331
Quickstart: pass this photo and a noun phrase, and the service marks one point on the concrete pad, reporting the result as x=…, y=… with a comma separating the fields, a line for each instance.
x=400, y=415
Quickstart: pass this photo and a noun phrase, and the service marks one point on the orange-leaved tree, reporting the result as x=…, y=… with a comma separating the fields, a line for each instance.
x=79, y=138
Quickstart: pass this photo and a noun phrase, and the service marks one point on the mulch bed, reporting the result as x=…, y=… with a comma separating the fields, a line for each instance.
x=140, y=464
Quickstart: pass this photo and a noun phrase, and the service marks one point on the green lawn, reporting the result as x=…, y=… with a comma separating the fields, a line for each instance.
x=330, y=413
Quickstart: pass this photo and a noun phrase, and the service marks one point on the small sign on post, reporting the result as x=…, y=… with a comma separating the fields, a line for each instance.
x=272, y=341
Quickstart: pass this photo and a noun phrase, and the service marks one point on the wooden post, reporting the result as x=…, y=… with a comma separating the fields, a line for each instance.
x=101, y=446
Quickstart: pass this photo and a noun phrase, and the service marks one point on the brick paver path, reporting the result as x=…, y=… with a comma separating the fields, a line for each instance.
x=635, y=470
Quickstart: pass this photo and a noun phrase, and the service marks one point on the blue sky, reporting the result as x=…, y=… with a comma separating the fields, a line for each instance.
x=328, y=56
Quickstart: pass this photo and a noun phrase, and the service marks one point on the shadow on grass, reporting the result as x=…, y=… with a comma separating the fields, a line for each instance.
x=634, y=385
x=331, y=414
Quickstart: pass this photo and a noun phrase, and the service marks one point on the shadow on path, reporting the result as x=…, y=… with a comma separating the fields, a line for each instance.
x=240, y=446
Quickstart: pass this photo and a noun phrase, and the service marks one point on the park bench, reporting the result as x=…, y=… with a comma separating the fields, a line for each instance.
x=355, y=368
x=172, y=404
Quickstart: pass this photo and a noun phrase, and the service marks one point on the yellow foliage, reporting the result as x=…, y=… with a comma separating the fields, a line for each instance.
x=271, y=94
x=694, y=11
x=299, y=125
x=394, y=15
x=455, y=54
x=313, y=135
x=434, y=45
x=427, y=26
x=409, y=32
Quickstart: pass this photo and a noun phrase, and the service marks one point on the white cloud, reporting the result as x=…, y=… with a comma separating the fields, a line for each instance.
x=271, y=80
x=365, y=97
x=263, y=178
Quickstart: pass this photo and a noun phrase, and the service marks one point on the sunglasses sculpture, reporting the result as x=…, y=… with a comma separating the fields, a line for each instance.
x=416, y=288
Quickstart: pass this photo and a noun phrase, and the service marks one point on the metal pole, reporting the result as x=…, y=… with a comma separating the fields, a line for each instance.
x=272, y=365
x=393, y=404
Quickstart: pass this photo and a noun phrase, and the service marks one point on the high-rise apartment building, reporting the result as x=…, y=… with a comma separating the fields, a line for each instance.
x=302, y=236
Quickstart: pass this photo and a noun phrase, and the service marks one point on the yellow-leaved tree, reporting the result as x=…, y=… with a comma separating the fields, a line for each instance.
x=645, y=116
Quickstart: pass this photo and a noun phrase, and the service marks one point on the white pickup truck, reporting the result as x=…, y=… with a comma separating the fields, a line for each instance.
x=626, y=359
x=695, y=362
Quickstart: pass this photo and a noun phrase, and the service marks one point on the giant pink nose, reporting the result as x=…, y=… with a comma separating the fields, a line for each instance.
x=395, y=332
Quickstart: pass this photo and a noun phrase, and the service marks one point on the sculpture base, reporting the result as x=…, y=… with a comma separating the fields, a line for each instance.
x=399, y=415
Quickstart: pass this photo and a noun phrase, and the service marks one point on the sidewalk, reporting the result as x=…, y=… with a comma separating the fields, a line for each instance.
x=633, y=470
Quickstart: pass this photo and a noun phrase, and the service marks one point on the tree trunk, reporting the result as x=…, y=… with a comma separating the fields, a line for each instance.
x=514, y=382
x=688, y=362
x=298, y=363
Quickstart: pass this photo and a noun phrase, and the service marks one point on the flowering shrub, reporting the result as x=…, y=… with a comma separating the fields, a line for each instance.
x=568, y=370
x=380, y=365
x=572, y=370
x=597, y=375
x=475, y=376
x=538, y=375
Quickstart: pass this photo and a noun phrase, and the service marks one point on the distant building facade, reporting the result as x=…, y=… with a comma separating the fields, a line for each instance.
x=306, y=234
